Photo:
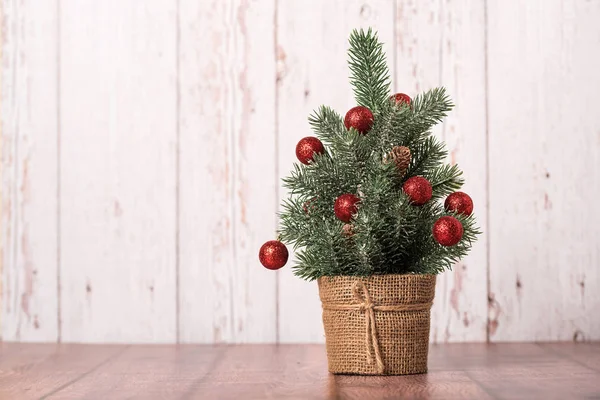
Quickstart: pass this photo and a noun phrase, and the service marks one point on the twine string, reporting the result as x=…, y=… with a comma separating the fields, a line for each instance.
x=362, y=296
x=366, y=305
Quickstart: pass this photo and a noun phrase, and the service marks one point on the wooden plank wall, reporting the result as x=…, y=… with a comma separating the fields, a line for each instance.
x=143, y=144
x=30, y=175
x=542, y=202
x=118, y=142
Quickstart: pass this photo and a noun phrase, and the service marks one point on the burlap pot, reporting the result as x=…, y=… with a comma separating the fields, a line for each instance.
x=377, y=325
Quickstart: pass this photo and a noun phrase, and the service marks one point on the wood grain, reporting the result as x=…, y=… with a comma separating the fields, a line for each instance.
x=544, y=175
x=457, y=371
x=441, y=43
x=165, y=372
x=306, y=36
x=29, y=171
x=527, y=371
x=227, y=170
x=586, y=354
x=118, y=171
x=36, y=371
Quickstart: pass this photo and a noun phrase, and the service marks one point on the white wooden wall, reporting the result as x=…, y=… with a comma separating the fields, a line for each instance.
x=143, y=142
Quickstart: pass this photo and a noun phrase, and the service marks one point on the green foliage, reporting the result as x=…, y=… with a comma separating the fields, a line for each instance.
x=369, y=76
x=390, y=236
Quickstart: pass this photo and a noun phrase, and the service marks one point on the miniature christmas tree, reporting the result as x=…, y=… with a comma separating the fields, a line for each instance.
x=366, y=197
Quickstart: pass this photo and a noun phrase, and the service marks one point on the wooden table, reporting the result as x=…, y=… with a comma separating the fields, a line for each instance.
x=472, y=371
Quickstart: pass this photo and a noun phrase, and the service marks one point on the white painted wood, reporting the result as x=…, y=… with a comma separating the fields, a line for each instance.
x=3, y=222
x=312, y=70
x=228, y=171
x=441, y=43
x=29, y=171
x=91, y=176
x=118, y=170
x=544, y=170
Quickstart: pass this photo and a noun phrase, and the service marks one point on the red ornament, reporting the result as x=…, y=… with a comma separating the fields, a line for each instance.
x=401, y=98
x=345, y=206
x=460, y=203
x=418, y=189
x=359, y=118
x=307, y=147
x=273, y=254
x=447, y=231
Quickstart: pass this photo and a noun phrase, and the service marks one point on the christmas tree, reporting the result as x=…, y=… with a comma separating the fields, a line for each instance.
x=372, y=194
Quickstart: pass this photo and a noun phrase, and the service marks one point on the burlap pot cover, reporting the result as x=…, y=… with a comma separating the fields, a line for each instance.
x=377, y=325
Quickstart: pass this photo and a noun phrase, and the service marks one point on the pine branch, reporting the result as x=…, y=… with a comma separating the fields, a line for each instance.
x=369, y=73
x=327, y=125
x=390, y=128
x=428, y=109
x=426, y=156
x=445, y=180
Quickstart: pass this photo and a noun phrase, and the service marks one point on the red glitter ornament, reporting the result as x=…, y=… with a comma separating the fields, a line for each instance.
x=359, y=118
x=307, y=147
x=345, y=206
x=401, y=98
x=418, y=189
x=459, y=202
x=273, y=254
x=447, y=231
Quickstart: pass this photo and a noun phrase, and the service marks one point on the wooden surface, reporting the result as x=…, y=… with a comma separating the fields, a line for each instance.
x=456, y=371
x=143, y=142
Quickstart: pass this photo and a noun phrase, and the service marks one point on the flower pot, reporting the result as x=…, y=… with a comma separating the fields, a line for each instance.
x=377, y=325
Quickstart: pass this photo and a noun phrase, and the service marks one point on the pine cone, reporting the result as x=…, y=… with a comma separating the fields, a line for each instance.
x=348, y=230
x=400, y=155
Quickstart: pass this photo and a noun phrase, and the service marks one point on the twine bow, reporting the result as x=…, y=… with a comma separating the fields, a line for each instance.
x=366, y=305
